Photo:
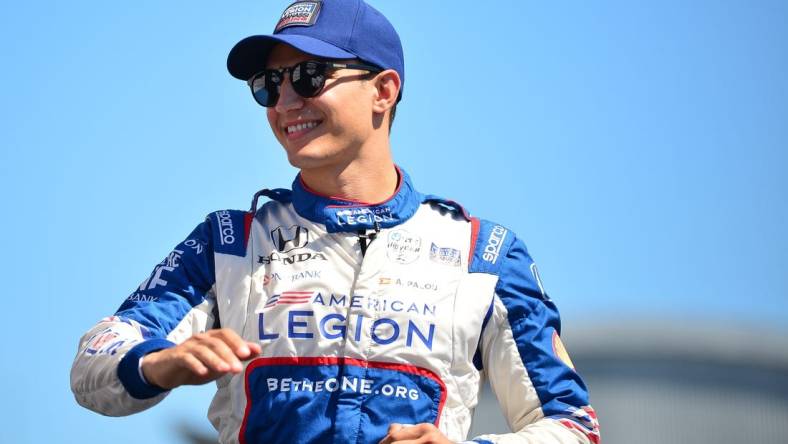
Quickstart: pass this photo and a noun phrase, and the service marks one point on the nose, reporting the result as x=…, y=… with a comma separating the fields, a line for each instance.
x=288, y=98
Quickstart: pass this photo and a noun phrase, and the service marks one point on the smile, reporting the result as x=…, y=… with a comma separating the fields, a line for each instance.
x=292, y=129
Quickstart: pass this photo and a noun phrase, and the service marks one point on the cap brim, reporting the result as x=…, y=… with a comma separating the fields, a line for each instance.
x=250, y=55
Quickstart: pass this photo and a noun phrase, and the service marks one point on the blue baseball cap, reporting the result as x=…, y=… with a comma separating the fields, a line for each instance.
x=332, y=29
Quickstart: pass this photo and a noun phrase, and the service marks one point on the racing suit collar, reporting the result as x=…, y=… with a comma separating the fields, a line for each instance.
x=345, y=215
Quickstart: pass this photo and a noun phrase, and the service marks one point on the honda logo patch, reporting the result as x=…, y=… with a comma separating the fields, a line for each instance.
x=288, y=239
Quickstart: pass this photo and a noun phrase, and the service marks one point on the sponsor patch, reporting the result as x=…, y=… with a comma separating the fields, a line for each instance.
x=299, y=14
x=583, y=420
x=166, y=266
x=493, y=247
x=302, y=389
x=364, y=216
x=289, y=238
x=141, y=297
x=403, y=247
x=306, y=274
x=273, y=277
x=308, y=323
x=194, y=245
x=445, y=256
x=100, y=340
x=289, y=260
x=560, y=351
x=225, y=227
x=290, y=297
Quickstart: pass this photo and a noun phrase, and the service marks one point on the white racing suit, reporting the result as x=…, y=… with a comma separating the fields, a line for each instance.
x=366, y=315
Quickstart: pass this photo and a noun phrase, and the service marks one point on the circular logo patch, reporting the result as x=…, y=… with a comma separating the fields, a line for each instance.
x=403, y=247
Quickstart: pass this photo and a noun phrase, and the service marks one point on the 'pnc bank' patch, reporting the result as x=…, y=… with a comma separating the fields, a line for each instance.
x=299, y=14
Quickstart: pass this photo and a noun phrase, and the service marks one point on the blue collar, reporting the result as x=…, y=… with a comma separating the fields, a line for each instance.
x=343, y=215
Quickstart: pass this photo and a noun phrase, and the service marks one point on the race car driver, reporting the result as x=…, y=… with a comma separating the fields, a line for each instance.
x=352, y=307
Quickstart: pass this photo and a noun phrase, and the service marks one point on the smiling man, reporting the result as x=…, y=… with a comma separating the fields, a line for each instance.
x=350, y=308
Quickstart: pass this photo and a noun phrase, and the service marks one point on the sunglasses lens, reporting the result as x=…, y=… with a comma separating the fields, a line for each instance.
x=265, y=88
x=308, y=78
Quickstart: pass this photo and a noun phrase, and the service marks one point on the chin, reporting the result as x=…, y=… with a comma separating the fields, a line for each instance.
x=303, y=160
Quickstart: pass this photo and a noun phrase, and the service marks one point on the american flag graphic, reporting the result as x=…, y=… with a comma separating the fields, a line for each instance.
x=290, y=297
x=583, y=420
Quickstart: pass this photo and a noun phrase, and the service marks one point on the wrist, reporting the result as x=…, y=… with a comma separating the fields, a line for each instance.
x=147, y=364
x=131, y=371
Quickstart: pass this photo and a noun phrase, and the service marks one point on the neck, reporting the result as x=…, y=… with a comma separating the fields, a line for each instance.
x=368, y=180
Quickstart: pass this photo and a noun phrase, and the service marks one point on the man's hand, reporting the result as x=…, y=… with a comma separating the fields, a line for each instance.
x=419, y=433
x=202, y=358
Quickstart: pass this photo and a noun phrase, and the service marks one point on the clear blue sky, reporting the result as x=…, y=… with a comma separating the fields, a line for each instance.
x=640, y=149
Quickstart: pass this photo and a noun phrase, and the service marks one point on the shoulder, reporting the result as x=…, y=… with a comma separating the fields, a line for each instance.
x=497, y=250
x=446, y=207
x=490, y=241
x=230, y=228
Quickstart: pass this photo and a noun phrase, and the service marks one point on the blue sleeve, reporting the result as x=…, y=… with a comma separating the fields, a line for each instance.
x=179, y=284
x=529, y=370
x=536, y=327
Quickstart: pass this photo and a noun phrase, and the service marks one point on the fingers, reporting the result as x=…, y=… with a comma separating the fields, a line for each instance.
x=419, y=433
x=394, y=428
x=195, y=365
x=255, y=349
x=221, y=350
x=201, y=358
x=240, y=348
x=216, y=356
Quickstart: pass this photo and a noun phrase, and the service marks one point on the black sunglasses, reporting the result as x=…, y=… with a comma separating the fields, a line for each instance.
x=308, y=79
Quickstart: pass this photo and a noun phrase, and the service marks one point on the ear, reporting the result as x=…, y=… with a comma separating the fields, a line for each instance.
x=387, y=85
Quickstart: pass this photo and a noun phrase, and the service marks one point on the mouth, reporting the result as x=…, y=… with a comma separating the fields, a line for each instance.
x=297, y=130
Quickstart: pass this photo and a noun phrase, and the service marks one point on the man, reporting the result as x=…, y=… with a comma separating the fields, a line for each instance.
x=351, y=308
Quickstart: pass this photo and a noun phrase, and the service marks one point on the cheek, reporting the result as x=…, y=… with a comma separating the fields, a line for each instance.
x=350, y=116
x=271, y=114
x=272, y=122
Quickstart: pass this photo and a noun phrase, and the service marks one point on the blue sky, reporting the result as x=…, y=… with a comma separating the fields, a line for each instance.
x=639, y=148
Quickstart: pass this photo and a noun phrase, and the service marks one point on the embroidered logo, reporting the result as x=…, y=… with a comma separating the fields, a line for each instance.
x=290, y=297
x=403, y=247
x=289, y=238
x=494, y=243
x=445, y=256
x=299, y=14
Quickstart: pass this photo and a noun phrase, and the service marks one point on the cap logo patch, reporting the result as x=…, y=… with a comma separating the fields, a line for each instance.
x=299, y=14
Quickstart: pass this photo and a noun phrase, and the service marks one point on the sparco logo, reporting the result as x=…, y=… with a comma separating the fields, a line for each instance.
x=288, y=239
x=494, y=243
x=287, y=260
x=225, y=227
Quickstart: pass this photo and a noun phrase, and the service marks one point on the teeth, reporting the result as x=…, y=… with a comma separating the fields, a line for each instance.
x=301, y=126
